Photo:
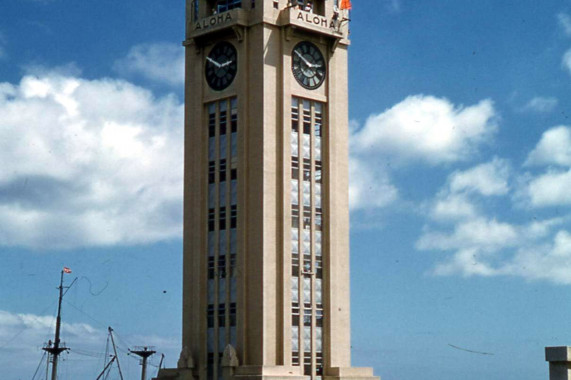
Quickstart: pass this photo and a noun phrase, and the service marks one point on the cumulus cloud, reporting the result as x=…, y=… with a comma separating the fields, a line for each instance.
x=452, y=206
x=485, y=235
x=541, y=104
x=161, y=62
x=455, y=200
x=564, y=23
x=554, y=148
x=549, y=189
x=88, y=162
x=551, y=262
x=475, y=244
x=487, y=179
x=427, y=129
x=24, y=335
x=487, y=247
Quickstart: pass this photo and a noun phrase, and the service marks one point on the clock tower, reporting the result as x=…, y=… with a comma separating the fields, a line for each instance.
x=266, y=217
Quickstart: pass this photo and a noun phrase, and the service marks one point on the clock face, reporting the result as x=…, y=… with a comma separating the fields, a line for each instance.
x=308, y=65
x=221, y=66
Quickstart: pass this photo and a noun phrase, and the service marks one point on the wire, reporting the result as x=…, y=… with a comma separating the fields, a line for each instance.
x=39, y=365
x=95, y=294
x=101, y=324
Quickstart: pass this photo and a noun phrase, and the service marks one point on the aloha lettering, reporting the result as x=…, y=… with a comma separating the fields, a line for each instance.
x=313, y=19
x=213, y=21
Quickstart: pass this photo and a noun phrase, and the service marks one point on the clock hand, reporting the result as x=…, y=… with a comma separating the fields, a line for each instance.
x=213, y=62
x=226, y=64
x=303, y=58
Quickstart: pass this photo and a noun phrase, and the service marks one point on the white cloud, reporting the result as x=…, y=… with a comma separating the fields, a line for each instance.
x=487, y=179
x=566, y=61
x=427, y=129
x=454, y=201
x=554, y=147
x=24, y=335
x=565, y=23
x=370, y=186
x=467, y=262
x=394, y=5
x=484, y=235
x=87, y=163
x=453, y=206
x=551, y=262
x=162, y=62
x=486, y=247
x=549, y=189
x=541, y=104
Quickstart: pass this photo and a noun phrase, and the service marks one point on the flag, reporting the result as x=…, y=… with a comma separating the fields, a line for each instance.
x=345, y=4
x=66, y=270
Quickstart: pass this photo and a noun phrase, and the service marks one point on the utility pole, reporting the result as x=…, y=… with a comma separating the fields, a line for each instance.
x=144, y=353
x=55, y=349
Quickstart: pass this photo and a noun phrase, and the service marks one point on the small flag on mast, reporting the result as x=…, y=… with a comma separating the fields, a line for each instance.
x=66, y=270
x=345, y=4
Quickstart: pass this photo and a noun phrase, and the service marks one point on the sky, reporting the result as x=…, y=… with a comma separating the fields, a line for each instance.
x=460, y=164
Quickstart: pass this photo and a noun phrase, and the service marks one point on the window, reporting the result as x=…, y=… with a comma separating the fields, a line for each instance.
x=211, y=172
x=222, y=170
x=210, y=314
x=306, y=193
x=221, y=315
x=294, y=192
x=295, y=289
x=226, y=5
x=211, y=219
x=294, y=168
x=211, y=242
x=222, y=219
x=233, y=216
x=307, y=291
x=294, y=143
x=211, y=268
x=195, y=9
x=222, y=249
x=295, y=341
x=295, y=218
x=233, y=241
x=295, y=240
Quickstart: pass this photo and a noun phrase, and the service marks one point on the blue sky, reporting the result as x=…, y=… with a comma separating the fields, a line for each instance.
x=460, y=165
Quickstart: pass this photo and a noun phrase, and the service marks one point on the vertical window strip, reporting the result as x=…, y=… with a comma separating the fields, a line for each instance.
x=306, y=199
x=222, y=224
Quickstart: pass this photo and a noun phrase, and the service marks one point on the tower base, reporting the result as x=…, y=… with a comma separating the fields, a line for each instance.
x=271, y=373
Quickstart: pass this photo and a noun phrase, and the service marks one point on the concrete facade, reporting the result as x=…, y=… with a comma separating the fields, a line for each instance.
x=238, y=318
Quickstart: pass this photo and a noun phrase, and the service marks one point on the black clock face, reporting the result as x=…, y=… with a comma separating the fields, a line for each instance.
x=221, y=66
x=308, y=65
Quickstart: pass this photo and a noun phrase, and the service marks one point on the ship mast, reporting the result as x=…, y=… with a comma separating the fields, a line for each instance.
x=56, y=349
